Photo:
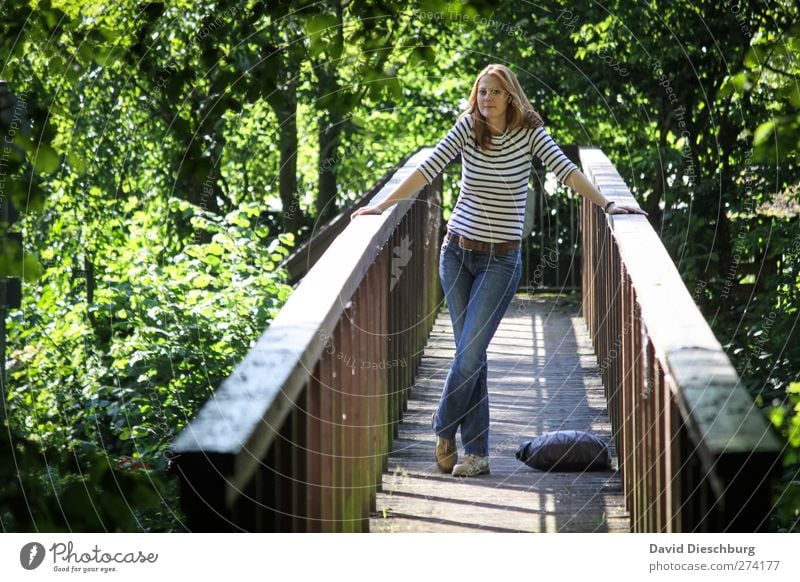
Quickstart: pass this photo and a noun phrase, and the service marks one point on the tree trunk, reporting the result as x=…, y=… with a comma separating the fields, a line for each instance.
x=328, y=167
x=336, y=101
x=653, y=203
x=286, y=112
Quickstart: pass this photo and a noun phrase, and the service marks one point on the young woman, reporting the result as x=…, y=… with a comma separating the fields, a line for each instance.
x=480, y=263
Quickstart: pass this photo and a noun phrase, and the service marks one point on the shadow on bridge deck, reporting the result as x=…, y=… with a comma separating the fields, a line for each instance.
x=543, y=376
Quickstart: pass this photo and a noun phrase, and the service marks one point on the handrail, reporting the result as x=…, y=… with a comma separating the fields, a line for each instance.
x=695, y=452
x=297, y=438
x=309, y=251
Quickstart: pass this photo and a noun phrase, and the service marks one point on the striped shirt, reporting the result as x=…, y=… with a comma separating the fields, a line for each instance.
x=494, y=183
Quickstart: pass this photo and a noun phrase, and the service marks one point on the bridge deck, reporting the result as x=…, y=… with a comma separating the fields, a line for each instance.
x=543, y=376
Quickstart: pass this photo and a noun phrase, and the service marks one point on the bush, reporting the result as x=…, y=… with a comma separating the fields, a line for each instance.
x=112, y=381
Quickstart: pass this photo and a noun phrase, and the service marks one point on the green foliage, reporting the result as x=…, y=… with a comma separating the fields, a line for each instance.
x=77, y=489
x=789, y=425
x=128, y=370
x=774, y=60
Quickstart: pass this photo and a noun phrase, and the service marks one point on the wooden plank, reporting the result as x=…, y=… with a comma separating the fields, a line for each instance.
x=673, y=472
x=327, y=505
x=351, y=376
x=337, y=384
x=377, y=396
x=370, y=299
x=298, y=471
x=314, y=452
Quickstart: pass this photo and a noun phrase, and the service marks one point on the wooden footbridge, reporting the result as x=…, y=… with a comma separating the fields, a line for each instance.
x=325, y=425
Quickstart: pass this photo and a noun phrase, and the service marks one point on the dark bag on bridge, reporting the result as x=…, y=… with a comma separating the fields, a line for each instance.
x=566, y=450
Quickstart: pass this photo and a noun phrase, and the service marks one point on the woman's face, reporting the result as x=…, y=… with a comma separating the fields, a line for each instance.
x=492, y=99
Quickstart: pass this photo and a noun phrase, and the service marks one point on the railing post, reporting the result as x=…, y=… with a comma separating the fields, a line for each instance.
x=204, y=481
x=314, y=491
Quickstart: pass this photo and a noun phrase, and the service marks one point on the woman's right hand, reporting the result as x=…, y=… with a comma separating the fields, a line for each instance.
x=624, y=209
x=366, y=210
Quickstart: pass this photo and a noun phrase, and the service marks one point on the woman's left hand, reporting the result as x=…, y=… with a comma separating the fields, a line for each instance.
x=625, y=209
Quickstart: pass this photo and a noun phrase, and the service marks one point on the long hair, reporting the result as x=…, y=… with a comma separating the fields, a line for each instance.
x=519, y=112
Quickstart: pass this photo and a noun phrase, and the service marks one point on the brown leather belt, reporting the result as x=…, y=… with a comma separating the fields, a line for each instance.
x=503, y=248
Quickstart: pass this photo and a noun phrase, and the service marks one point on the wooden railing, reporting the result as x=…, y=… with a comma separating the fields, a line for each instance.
x=297, y=438
x=696, y=454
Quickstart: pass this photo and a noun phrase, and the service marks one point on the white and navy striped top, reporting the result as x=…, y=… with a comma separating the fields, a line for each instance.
x=494, y=183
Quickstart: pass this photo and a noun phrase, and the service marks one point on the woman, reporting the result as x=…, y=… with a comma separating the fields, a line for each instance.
x=480, y=262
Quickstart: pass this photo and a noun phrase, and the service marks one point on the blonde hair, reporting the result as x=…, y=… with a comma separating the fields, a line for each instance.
x=519, y=112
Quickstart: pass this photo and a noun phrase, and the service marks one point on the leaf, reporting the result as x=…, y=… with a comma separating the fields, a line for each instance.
x=210, y=260
x=11, y=256
x=207, y=311
x=741, y=82
x=31, y=268
x=755, y=55
x=76, y=162
x=777, y=415
x=46, y=160
x=764, y=131
x=214, y=249
x=106, y=55
x=319, y=24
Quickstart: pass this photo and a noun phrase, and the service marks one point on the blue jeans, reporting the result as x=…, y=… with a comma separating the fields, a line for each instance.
x=478, y=288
